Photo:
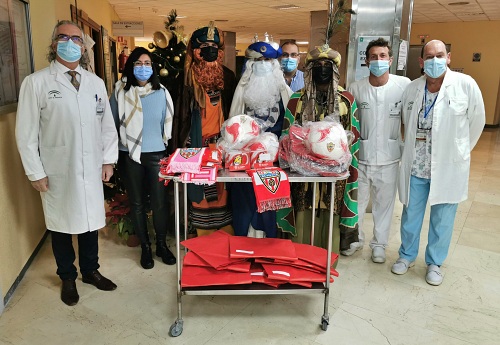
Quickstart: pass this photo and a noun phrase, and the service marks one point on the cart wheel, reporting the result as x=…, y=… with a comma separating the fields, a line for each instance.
x=324, y=325
x=175, y=329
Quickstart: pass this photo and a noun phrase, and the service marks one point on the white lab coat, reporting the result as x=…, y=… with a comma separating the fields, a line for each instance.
x=458, y=121
x=67, y=135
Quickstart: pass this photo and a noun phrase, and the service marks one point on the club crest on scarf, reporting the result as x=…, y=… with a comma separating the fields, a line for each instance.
x=189, y=152
x=271, y=179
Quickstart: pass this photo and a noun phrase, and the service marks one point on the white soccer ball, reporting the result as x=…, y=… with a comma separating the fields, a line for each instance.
x=267, y=142
x=328, y=140
x=239, y=130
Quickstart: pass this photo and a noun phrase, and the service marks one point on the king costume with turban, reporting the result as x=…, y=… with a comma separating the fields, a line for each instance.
x=311, y=104
x=200, y=111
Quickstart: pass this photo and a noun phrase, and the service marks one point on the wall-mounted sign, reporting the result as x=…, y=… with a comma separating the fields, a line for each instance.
x=132, y=29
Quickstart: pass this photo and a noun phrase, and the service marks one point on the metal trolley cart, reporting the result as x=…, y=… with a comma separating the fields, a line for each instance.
x=254, y=289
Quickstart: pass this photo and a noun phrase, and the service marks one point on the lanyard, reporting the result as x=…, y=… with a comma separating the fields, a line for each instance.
x=428, y=110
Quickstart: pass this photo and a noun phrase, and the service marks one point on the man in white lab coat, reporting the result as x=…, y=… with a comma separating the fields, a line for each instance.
x=379, y=103
x=443, y=117
x=68, y=144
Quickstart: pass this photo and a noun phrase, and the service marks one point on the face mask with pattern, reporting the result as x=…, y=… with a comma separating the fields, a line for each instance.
x=143, y=73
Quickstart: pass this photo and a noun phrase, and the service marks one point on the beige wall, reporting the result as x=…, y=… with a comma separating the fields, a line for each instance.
x=21, y=217
x=46, y=13
x=467, y=38
x=22, y=224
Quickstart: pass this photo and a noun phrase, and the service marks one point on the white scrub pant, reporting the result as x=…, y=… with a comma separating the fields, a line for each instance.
x=381, y=182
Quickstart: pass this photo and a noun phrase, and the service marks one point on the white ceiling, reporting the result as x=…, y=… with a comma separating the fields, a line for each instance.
x=247, y=17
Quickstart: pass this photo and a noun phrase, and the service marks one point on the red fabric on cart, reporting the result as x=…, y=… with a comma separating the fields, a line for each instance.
x=213, y=249
x=304, y=284
x=274, y=248
x=309, y=257
x=193, y=276
x=293, y=274
x=193, y=259
x=314, y=255
x=259, y=276
x=306, y=266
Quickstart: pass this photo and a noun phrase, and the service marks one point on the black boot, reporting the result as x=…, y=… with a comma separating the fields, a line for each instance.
x=147, y=257
x=165, y=253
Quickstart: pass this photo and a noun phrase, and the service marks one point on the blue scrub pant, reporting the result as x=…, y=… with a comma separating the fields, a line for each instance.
x=440, y=227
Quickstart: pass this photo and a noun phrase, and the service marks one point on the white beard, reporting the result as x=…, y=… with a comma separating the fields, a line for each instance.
x=261, y=92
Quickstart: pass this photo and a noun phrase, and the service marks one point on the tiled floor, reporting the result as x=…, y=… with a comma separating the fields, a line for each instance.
x=368, y=304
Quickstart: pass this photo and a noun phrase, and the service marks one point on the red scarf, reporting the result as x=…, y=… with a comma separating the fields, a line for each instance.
x=272, y=189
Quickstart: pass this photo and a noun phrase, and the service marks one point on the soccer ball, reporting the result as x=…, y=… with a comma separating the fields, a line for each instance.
x=327, y=140
x=267, y=142
x=239, y=130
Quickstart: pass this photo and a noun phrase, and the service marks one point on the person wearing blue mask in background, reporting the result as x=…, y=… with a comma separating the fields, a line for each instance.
x=143, y=112
x=379, y=102
x=443, y=117
x=289, y=61
x=68, y=145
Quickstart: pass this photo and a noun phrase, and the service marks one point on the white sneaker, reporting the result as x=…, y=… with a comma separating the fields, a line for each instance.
x=354, y=247
x=434, y=275
x=378, y=255
x=401, y=266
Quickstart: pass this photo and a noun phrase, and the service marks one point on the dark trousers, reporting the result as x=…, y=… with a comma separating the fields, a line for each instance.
x=245, y=213
x=142, y=180
x=62, y=246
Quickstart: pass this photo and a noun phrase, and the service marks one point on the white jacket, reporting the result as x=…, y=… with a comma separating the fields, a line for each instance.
x=67, y=135
x=379, y=114
x=458, y=121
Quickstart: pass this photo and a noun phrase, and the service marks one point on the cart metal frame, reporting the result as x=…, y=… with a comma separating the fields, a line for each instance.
x=230, y=177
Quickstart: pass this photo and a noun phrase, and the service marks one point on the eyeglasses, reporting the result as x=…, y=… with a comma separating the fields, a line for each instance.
x=64, y=38
x=293, y=55
x=142, y=63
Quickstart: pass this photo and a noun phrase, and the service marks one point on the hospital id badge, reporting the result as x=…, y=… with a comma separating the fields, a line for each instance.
x=100, y=107
x=421, y=134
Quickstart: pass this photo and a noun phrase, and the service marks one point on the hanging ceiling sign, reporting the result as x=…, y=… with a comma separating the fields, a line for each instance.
x=131, y=29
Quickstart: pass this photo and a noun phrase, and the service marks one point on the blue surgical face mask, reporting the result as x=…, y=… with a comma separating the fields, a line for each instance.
x=143, y=73
x=69, y=51
x=435, y=67
x=289, y=64
x=378, y=67
x=262, y=68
